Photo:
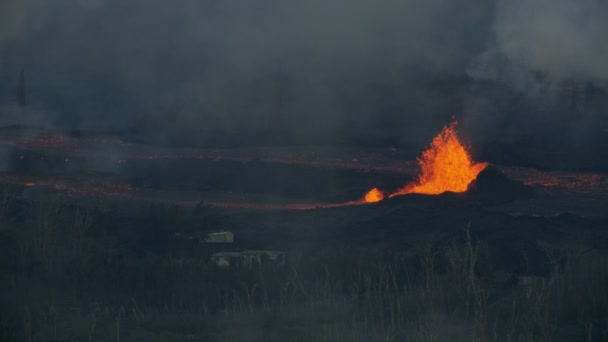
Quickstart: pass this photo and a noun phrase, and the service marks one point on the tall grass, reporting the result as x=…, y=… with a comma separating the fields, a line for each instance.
x=440, y=291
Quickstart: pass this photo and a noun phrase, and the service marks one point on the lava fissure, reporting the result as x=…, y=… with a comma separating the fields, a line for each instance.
x=445, y=166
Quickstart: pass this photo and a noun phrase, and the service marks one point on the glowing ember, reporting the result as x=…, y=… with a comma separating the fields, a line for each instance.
x=445, y=166
x=374, y=195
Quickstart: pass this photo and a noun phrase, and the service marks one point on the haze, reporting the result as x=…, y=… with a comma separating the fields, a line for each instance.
x=358, y=71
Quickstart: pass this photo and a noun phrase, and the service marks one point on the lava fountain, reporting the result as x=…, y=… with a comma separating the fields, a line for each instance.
x=445, y=166
x=373, y=196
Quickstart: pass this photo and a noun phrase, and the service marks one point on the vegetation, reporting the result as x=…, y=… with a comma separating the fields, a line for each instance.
x=93, y=273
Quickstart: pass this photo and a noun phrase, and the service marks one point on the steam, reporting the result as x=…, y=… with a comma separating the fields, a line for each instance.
x=311, y=68
x=559, y=39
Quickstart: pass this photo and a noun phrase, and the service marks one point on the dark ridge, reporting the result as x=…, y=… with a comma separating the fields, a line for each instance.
x=492, y=185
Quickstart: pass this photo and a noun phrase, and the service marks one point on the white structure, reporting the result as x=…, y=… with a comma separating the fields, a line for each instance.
x=220, y=237
x=260, y=257
x=225, y=259
x=247, y=258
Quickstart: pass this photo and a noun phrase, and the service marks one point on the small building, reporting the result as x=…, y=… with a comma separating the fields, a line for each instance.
x=247, y=258
x=250, y=258
x=225, y=259
x=219, y=237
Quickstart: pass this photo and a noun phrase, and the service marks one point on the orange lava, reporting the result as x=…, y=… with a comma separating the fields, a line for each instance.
x=445, y=166
x=374, y=195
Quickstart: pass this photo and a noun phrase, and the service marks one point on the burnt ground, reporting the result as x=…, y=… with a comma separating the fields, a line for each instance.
x=405, y=223
x=112, y=226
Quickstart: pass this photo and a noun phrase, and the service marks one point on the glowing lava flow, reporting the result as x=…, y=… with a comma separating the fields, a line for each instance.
x=373, y=196
x=445, y=166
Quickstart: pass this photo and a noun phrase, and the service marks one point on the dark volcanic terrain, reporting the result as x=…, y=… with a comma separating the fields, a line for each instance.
x=124, y=221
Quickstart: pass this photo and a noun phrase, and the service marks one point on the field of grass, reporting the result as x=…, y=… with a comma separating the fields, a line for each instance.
x=72, y=273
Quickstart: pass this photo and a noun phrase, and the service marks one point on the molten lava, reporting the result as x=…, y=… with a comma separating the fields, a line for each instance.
x=374, y=195
x=445, y=166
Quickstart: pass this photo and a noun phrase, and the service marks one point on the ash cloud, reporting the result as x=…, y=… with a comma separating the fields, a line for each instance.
x=291, y=70
x=560, y=39
x=552, y=56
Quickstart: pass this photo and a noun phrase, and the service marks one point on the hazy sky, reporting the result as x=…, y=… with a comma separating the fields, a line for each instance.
x=324, y=65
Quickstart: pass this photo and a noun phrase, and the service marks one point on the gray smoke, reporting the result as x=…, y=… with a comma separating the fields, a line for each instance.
x=563, y=40
x=312, y=68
